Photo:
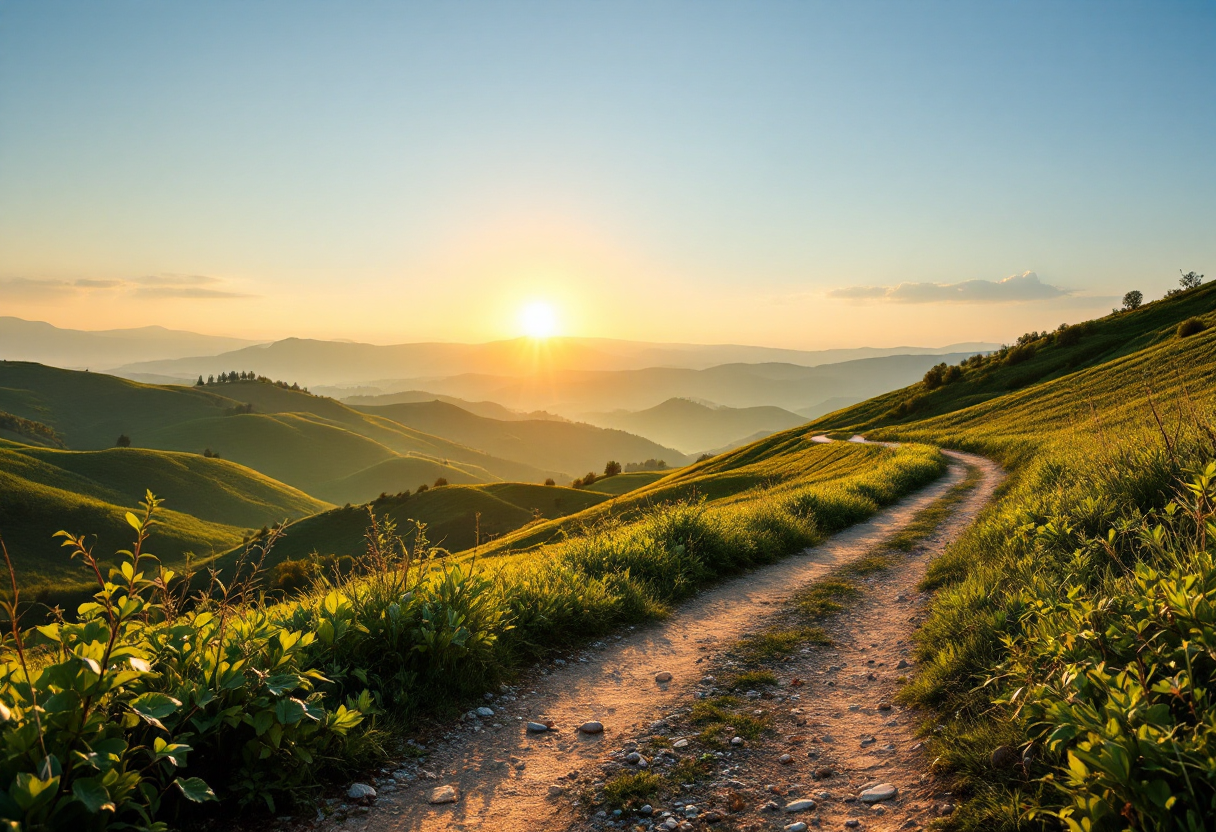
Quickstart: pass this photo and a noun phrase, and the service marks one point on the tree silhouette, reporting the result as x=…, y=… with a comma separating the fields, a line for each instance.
x=1133, y=299
x=124, y=441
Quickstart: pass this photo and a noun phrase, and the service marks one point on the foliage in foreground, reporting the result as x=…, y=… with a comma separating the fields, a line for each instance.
x=1078, y=623
x=147, y=704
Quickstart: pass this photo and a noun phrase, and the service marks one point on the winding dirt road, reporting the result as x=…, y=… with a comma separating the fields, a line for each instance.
x=509, y=779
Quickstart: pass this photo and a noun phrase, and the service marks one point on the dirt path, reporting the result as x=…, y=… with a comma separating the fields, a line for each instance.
x=507, y=778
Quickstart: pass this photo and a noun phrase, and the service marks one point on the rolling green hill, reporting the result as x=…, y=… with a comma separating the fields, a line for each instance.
x=573, y=448
x=1069, y=617
x=310, y=442
x=90, y=410
x=450, y=513
x=694, y=427
x=209, y=502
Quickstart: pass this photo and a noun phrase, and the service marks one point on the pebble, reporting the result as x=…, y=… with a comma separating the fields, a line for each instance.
x=884, y=706
x=671, y=823
x=443, y=794
x=592, y=727
x=867, y=741
x=785, y=759
x=361, y=791
x=555, y=791
x=680, y=744
x=484, y=711
x=902, y=664
x=646, y=810
x=771, y=806
x=800, y=805
x=883, y=791
x=537, y=727
x=945, y=809
x=796, y=827
x=823, y=773
x=852, y=824
x=662, y=676
x=736, y=741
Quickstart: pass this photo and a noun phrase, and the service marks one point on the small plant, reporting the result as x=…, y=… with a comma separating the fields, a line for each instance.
x=550, y=481
x=1191, y=326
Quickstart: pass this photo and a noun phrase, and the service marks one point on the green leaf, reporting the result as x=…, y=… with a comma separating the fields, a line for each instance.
x=134, y=522
x=289, y=711
x=91, y=792
x=282, y=683
x=154, y=707
x=194, y=789
x=30, y=793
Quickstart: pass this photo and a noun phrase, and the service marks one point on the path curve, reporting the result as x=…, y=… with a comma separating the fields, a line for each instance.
x=503, y=774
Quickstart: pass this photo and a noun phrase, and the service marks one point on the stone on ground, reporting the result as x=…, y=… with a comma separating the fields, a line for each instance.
x=443, y=794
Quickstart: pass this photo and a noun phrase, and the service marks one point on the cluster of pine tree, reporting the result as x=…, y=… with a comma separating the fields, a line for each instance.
x=234, y=377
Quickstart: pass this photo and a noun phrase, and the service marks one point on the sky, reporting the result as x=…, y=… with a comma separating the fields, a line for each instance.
x=801, y=174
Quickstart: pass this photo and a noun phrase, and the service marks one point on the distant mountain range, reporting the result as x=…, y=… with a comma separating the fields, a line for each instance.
x=575, y=393
x=401, y=367
x=693, y=426
x=22, y=340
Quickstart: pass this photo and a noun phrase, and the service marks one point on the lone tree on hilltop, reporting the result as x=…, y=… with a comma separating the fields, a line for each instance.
x=1133, y=299
x=200, y=382
x=612, y=468
x=1190, y=280
x=124, y=441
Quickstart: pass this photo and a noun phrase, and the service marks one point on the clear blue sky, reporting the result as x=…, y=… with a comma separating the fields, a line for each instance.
x=748, y=172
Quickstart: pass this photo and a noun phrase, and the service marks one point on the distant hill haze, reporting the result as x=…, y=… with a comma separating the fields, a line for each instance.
x=22, y=340
x=490, y=410
x=314, y=363
x=571, y=447
x=788, y=386
x=693, y=426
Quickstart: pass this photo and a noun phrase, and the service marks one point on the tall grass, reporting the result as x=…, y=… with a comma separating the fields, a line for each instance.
x=1076, y=623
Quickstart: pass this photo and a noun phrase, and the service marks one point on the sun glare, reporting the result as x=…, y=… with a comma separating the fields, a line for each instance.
x=538, y=320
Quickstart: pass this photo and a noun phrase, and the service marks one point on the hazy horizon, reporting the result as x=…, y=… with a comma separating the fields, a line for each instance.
x=800, y=176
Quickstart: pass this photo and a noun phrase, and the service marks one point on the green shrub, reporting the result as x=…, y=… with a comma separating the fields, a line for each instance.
x=1018, y=354
x=1191, y=326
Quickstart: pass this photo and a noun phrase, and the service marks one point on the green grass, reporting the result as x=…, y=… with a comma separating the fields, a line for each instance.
x=570, y=447
x=1058, y=614
x=624, y=483
x=456, y=516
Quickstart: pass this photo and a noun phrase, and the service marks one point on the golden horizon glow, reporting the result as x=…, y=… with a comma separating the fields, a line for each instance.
x=538, y=319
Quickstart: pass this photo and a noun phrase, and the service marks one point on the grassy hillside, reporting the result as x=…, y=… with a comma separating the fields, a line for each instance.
x=624, y=483
x=693, y=427
x=90, y=410
x=490, y=410
x=773, y=466
x=393, y=435
x=310, y=442
x=210, y=489
x=31, y=512
x=1070, y=619
x=450, y=514
x=573, y=448
x=211, y=503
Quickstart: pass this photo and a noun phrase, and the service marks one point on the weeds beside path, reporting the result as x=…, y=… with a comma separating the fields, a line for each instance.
x=509, y=779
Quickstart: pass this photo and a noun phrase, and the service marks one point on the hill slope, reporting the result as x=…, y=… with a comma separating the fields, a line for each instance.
x=573, y=448
x=692, y=426
x=1064, y=616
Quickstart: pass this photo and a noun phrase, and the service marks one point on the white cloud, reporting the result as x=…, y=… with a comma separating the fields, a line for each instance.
x=1016, y=288
x=150, y=287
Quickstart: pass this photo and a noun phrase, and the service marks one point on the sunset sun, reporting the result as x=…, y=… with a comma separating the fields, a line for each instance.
x=538, y=320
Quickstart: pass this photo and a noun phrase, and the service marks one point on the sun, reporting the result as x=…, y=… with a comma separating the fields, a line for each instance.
x=538, y=319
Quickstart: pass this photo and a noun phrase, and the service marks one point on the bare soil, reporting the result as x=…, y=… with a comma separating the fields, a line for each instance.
x=507, y=778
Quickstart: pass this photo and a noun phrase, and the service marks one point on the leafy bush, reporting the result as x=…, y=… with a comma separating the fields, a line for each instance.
x=1018, y=354
x=1191, y=326
x=99, y=729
